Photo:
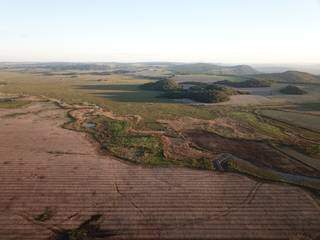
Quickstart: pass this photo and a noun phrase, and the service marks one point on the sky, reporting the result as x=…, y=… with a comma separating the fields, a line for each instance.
x=224, y=31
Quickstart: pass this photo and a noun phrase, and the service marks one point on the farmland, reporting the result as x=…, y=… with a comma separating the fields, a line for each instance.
x=261, y=136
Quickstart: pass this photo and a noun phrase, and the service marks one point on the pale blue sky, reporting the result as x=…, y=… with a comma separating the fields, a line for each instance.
x=229, y=31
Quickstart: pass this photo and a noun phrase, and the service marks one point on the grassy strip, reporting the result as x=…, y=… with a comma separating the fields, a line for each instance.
x=261, y=127
x=245, y=167
x=12, y=104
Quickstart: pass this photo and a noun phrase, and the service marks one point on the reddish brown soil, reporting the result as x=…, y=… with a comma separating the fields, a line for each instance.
x=180, y=149
x=255, y=152
x=44, y=166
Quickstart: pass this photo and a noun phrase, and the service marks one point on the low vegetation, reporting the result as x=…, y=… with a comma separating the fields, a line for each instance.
x=290, y=77
x=143, y=142
x=8, y=103
x=204, y=93
x=258, y=125
x=292, y=90
x=162, y=85
x=123, y=139
x=206, y=68
x=235, y=164
x=299, y=119
x=252, y=83
x=115, y=137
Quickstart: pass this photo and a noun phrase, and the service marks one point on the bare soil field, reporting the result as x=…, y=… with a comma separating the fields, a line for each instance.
x=54, y=180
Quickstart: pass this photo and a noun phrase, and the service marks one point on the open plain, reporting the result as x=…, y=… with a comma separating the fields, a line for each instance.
x=159, y=120
x=61, y=176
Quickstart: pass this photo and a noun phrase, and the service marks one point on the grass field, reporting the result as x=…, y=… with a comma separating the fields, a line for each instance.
x=12, y=104
x=207, y=78
x=297, y=118
x=93, y=89
x=152, y=142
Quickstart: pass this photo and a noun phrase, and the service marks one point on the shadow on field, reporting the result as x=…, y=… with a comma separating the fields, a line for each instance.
x=88, y=230
x=124, y=93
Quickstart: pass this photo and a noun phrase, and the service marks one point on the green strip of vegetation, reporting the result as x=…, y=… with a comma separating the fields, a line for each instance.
x=260, y=126
x=11, y=104
x=115, y=137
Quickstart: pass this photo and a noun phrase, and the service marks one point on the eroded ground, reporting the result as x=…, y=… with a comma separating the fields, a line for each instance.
x=53, y=179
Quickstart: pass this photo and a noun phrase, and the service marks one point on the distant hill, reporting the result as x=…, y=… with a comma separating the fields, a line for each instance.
x=207, y=68
x=290, y=77
x=276, y=68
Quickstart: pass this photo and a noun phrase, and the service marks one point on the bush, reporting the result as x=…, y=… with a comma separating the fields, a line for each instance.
x=205, y=93
x=251, y=83
x=211, y=94
x=162, y=85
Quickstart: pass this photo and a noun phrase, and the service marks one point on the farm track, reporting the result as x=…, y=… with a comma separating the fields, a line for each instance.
x=45, y=166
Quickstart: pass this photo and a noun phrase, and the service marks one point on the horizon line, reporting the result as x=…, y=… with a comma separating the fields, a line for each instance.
x=159, y=61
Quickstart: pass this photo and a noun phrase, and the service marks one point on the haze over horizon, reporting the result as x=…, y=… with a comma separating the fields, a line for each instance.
x=232, y=31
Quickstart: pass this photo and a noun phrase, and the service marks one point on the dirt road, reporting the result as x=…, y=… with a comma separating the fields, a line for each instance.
x=45, y=168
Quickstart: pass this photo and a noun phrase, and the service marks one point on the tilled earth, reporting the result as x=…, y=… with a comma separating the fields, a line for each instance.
x=48, y=170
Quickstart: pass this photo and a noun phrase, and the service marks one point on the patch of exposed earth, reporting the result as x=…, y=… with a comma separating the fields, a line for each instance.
x=52, y=180
x=256, y=152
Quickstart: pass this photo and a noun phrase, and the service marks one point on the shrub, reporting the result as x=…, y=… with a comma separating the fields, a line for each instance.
x=162, y=85
x=251, y=83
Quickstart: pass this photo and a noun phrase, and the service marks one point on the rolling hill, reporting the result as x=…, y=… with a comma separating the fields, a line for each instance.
x=206, y=68
x=290, y=77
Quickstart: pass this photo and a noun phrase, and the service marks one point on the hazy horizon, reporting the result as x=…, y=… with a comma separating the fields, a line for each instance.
x=228, y=32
